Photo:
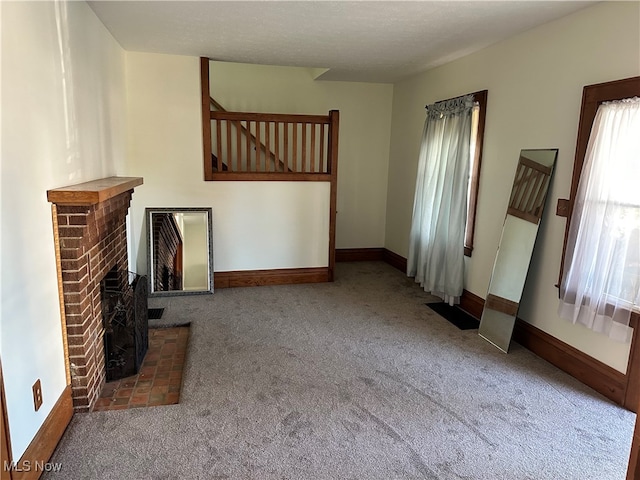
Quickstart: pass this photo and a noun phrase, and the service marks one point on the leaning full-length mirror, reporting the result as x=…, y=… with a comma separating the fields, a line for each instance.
x=519, y=232
x=180, y=247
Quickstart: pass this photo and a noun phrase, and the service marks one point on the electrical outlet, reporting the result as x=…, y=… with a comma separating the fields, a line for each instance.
x=37, y=395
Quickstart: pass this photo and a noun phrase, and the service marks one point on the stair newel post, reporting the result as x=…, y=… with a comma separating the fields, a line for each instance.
x=206, y=119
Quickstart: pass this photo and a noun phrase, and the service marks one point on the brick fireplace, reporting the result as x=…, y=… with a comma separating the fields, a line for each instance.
x=91, y=242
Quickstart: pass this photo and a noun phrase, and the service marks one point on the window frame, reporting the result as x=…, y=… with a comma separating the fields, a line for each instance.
x=592, y=97
x=474, y=175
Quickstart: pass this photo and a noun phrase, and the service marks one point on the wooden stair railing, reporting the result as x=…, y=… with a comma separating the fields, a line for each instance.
x=215, y=104
x=266, y=146
x=285, y=146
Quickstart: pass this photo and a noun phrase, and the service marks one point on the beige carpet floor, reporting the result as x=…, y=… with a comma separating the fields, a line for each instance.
x=355, y=379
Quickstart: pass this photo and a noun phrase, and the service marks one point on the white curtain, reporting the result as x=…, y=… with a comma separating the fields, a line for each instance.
x=436, y=248
x=601, y=284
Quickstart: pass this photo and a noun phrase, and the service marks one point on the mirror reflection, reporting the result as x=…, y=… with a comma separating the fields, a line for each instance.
x=180, y=250
x=520, y=228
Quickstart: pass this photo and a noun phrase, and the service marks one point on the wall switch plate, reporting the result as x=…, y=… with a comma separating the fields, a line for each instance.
x=37, y=395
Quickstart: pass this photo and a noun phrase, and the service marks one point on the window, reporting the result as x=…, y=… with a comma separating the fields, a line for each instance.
x=445, y=195
x=599, y=278
x=475, y=152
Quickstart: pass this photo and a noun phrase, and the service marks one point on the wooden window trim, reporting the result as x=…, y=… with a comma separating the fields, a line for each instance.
x=481, y=98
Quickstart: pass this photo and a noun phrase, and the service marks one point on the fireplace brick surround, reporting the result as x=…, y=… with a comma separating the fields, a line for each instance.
x=91, y=239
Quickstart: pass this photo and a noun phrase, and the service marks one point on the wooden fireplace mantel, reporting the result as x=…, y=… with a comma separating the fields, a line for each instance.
x=91, y=193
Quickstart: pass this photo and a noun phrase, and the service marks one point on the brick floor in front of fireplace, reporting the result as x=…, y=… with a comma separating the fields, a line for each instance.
x=159, y=379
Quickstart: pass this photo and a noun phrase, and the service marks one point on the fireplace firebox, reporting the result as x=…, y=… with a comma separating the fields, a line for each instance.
x=126, y=323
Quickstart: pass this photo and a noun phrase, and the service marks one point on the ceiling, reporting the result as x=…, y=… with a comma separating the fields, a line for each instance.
x=372, y=41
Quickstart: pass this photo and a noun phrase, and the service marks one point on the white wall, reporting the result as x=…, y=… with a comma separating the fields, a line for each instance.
x=257, y=225
x=62, y=123
x=535, y=83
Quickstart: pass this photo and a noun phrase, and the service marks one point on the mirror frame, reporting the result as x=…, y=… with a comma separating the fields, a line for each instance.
x=529, y=194
x=149, y=211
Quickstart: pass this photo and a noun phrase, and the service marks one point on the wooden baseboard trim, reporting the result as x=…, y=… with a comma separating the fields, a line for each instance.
x=472, y=304
x=280, y=276
x=359, y=254
x=593, y=373
x=597, y=375
x=395, y=260
x=31, y=464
